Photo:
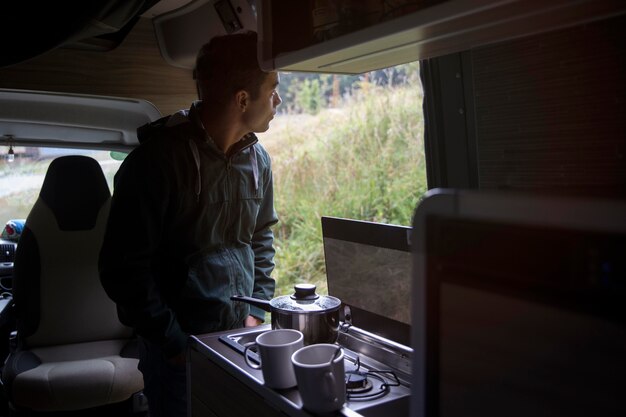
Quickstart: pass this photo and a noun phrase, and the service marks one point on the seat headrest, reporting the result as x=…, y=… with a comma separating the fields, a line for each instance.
x=75, y=189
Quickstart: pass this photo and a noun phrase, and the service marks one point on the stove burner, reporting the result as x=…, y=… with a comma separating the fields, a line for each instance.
x=357, y=382
x=372, y=386
x=368, y=384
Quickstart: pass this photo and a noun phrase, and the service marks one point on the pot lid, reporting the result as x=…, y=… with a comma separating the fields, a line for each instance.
x=305, y=299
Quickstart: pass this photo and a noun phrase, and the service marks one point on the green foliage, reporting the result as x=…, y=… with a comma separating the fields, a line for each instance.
x=309, y=97
x=311, y=92
x=364, y=160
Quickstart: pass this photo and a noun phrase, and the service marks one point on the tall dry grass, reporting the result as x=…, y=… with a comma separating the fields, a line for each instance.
x=363, y=160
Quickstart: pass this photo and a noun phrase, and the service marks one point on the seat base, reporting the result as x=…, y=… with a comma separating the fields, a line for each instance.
x=72, y=377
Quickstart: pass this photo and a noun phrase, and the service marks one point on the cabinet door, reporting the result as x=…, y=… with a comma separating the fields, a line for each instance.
x=290, y=41
x=216, y=393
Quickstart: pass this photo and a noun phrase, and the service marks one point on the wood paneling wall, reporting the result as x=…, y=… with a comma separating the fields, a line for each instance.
x=551, y=111
x=134, y=69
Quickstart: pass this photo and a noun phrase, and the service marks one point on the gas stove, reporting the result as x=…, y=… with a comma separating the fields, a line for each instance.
x=377, y=372
x=374, y=334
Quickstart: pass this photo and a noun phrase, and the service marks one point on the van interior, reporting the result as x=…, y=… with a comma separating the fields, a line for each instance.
x=509, y=286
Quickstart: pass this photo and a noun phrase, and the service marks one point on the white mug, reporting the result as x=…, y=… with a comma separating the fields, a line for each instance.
x=320, y=375
x=275, y=348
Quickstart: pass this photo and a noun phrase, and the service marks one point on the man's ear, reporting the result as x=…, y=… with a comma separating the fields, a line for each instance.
x=242, y=98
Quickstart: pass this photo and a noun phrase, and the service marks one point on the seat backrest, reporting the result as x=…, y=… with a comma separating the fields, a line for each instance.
x=57, y=291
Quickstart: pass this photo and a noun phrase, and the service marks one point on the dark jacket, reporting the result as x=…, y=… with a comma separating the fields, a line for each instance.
x=189, y=227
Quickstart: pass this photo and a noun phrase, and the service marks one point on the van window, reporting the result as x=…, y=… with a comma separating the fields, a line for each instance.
x=21, y=179
x=342, y=146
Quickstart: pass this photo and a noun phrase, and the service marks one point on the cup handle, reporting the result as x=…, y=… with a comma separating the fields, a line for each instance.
x=245, y=356
x=330, y=387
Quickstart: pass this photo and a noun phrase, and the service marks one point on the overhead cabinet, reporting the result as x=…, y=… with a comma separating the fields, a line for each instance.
x=352, y=37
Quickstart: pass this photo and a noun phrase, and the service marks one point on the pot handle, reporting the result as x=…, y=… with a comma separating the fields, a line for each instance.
x=263, y=304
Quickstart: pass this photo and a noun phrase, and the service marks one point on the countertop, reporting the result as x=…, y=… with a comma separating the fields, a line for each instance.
x=287, y=401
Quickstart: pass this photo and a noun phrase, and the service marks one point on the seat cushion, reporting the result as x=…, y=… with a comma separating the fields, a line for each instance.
x=82, y=375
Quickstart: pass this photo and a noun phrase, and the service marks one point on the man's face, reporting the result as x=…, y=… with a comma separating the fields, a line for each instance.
x=261, y=111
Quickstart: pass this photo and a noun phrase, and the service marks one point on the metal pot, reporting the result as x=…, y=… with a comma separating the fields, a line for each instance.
x=316, y=316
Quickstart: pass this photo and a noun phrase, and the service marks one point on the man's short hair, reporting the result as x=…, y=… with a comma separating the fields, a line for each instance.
x=227, y=64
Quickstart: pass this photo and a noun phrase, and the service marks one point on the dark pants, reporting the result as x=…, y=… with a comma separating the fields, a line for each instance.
x=165, y=385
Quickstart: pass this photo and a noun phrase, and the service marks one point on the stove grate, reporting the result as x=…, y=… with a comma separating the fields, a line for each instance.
x=369, y=384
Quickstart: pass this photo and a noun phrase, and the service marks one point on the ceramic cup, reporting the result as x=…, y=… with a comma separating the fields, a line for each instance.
x=275, y=348
x=320, y=375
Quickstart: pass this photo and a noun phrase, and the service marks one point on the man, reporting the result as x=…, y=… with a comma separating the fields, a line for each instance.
x=190, y=218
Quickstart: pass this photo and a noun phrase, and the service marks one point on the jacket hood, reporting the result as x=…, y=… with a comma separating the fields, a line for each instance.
x=150, y=129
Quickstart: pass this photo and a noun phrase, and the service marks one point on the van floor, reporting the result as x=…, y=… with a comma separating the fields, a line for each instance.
x=115, y=410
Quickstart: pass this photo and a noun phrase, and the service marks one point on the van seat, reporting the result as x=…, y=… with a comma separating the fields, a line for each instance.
x=71, y=351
